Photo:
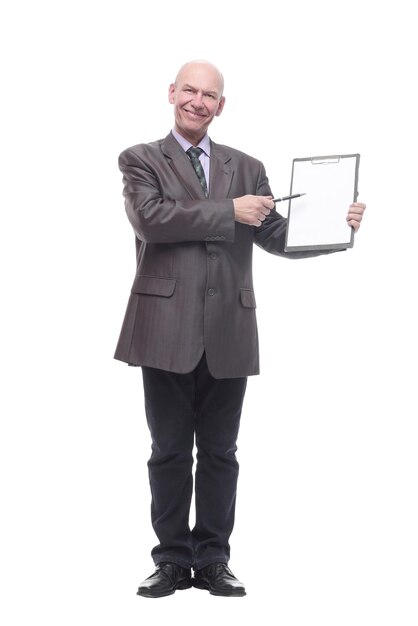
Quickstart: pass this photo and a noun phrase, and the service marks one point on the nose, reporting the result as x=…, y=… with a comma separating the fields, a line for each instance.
x=197, y=101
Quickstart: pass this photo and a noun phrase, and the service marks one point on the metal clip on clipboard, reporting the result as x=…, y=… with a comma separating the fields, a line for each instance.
x=325, y=160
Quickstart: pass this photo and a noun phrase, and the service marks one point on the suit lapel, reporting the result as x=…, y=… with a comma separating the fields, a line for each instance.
x=180, y=164
x=221, y=172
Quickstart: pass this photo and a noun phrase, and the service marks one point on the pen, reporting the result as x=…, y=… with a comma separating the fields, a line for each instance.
x=295, y=195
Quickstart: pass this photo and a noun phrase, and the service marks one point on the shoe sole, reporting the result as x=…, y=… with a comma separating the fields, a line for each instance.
x=226, y=594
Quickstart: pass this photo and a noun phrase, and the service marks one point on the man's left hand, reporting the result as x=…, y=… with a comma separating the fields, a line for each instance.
x=355, y=215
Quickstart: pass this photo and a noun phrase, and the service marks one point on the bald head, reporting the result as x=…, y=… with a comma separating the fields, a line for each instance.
x=198, y=66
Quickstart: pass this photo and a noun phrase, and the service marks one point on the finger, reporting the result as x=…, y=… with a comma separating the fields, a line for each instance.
x=354, y=224
x=268, y=203
x=353, y=210
x=357, y=207
x=354, y=216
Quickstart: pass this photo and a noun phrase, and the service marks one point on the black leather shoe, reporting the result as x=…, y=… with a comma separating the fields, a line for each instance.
x=167, y=578
x=218, y=579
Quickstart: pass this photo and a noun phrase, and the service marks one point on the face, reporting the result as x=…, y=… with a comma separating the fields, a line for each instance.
x=197, y=99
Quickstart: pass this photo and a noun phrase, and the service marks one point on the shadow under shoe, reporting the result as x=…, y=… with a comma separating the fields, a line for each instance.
x=167, y=578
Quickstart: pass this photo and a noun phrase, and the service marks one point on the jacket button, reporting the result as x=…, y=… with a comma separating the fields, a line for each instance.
x=213, y=256
x=211, y=292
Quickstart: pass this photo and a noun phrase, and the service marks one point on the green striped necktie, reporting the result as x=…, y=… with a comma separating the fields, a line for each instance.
x=193, y=154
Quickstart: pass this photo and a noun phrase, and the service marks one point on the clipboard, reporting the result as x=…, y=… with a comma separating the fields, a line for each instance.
x=317, y=220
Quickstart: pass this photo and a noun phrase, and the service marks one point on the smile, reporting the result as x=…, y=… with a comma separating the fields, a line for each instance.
x=194, y=113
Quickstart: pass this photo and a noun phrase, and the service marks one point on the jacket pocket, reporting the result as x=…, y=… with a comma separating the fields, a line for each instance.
x=247, y=298
x=154, y=286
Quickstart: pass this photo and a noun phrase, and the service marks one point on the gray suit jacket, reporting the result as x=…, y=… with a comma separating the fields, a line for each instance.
x=193, y=289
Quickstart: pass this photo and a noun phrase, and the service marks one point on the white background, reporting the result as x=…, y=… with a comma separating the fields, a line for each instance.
x=327, y=504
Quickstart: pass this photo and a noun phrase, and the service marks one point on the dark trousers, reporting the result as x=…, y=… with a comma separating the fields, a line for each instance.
x=182, y=409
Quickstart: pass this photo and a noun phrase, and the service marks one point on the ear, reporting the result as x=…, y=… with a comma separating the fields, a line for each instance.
x=220, y=106
x=171, y=93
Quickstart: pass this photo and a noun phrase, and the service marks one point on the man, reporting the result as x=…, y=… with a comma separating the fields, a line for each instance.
x=190, y=323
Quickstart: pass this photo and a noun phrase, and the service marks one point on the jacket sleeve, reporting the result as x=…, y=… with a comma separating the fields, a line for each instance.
x=156, y=219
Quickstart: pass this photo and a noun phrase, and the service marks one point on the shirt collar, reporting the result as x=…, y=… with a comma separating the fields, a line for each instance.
x=204, y=143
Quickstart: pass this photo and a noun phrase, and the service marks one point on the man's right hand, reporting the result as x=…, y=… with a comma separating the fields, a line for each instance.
x=252, y=210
